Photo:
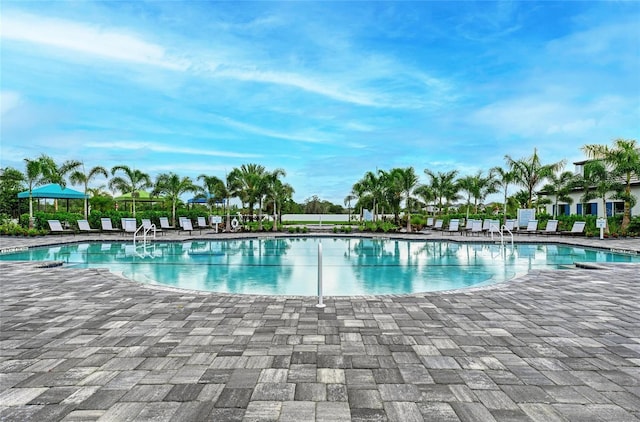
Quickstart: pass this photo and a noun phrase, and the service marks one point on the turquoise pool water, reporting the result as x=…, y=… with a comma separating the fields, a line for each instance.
x=288, y=266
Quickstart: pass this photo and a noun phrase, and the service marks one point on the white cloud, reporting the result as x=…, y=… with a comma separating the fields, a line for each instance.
x=9, y=100
x=534, y=116
x=297, y=137
x=151, y=147
x=108, y=43
x=301, y=82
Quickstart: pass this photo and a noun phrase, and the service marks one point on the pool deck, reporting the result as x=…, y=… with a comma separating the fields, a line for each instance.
x=85, y=344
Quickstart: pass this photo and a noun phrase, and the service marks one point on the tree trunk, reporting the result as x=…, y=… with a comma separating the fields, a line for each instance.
x=228, y=225
x=626, y=217
x=31, y=221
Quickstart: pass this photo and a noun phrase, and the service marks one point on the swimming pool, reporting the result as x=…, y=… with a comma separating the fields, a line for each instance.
x=351, y=266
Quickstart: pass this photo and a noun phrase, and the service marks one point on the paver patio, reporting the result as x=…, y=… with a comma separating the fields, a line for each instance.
x=85, y=344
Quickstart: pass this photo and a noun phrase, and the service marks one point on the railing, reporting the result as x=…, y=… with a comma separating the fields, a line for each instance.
x=145, y=231
x=503, y=228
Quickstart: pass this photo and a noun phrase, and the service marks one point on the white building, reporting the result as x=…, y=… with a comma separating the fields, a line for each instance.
x=594, y=207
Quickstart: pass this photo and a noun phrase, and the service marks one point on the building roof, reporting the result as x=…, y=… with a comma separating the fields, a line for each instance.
x=53, y=191
x=141, y=196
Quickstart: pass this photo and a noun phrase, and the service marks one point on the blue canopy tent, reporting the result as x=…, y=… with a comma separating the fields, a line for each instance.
x=204, y=199
x=53, y=191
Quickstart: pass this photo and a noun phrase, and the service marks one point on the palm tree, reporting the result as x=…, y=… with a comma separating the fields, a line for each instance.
x=596, y=183
x=60, y=173
x=347, y=202
x=172, y=187
x=39, y=172
x=530, y=172
x=133, y=181
x=391, y=194
x=277, y=190
x=82, y=178
x=372, y=185
x=425, y=193
x=560, y=185
x=444, y=186
x=486, y=186
x=467, y=184
x=407, y=181
x=213, y=187
x=245, y=182
x=624, y=159
x=505, y=178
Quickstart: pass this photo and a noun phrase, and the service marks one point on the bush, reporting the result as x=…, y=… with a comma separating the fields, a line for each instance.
x=40, y=219
x=378, y=226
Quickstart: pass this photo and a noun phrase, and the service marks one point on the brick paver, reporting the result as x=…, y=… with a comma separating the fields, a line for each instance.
x=85, y=344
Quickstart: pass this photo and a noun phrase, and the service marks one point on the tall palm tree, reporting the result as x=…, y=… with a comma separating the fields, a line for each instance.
x=624, y=159
x=503, y=179
x=487, y=186
x=172, y=187
x=245, y=182
x=560, y=185
x=391, y=194
x=530, y=172
x=60, y=173
x=275, y=189
x=214, y=188
x=372, y=185
x=39, y=172
x=407, y=181
x=347, y=202
x=444, y=186
x=78, y=177
x=133, y=181
x=596, y=182
x=425, y=193
x=467, y=185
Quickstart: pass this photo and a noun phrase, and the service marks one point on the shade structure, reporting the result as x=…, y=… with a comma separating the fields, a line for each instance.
x=142, y=196
x=53, y=191
x=204, y=199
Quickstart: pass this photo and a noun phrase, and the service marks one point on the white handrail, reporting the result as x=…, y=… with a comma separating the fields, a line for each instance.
x=147, y=230
x=135, y=235
x=144, y=233
x=510, y=233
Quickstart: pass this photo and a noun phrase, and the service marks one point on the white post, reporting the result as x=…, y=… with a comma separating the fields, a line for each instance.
x=601, y=224
x=320, y=304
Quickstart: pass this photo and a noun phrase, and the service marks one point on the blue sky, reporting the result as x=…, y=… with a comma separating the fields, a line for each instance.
x=326, y=91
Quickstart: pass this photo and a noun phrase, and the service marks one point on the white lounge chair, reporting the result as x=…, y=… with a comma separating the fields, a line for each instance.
x=438, y=225
x=494, y=227
x=510, y=225
x=468, y=225
x=56, y=228
x=532, y=227
x=187, y=226
x=148, y=225
x=83, y=226
x=164, y=224
x=107, y=226
x=454, y=226
x=576, y=230
x=476, y=227
x=129, y=225
x=202, y=223
x=550, y=228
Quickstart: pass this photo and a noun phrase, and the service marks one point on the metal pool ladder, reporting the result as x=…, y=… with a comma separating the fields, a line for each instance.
x=501, y=231
x=145, y=231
